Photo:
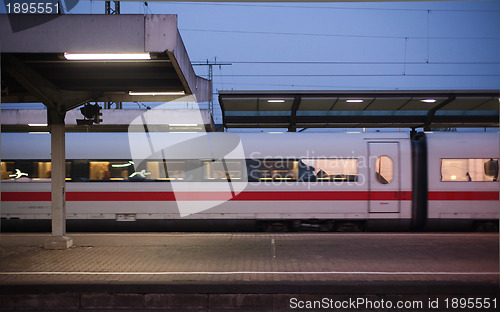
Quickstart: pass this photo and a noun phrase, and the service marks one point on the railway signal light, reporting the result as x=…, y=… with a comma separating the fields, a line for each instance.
x=98, y=114
x=92, y=113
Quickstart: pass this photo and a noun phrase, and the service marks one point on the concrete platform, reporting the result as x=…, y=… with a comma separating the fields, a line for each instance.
x=244, y=272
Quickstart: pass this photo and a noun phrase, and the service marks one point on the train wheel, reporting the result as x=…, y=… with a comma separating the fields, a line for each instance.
x=276, y=226
x=328, y=226
x=296, y=225
x=487, y=227
x=353, y=226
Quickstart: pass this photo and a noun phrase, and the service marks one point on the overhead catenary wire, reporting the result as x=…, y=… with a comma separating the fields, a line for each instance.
x=322, y=7
x=334, y=35
x=361, y=75
x=308, y=87
x=361, y=62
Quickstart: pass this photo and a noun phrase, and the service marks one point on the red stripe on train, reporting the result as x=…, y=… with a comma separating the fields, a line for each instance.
x=26, y=196
x=246, y=196
x=208, y=196
x=463, y=195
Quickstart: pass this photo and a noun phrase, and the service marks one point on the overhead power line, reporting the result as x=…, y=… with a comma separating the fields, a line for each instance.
x=358, y=63
x=261, y=5
x=361, y=75
x=334, y=35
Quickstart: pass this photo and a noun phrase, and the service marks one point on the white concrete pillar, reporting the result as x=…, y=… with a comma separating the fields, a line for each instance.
x=59, y=240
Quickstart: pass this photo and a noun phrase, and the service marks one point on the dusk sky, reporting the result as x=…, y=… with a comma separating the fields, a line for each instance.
x=445, y=45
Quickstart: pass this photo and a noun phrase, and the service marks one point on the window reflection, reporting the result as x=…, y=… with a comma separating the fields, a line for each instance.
x=223, y=170
x=99, y=171
x=469, y=170
x=208, y=170
x=384, y=169
x=166, y=170
x=8, y=168
x=29, y=171
x=330, y=169
x=278, y=170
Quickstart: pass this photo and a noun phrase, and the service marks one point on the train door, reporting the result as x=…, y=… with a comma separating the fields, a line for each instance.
x=384, y=177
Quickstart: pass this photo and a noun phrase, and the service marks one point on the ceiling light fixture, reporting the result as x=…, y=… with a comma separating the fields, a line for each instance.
x=183, y=125
x=354, y=101
x=428, y=101
x=275, y=101
x=157, y=93
x=37, y=124
x=106, y=56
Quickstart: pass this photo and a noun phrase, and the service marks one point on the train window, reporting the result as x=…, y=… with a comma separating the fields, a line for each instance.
x=329, y=169
x=278, y=170
x=253, y=170
x=155, y=170
x=42, y=169
x=384, y=169
x=26, y=170
x=18, y=170
x=469, y=170
x=99, y=171
x=8, y=170
x=120, y=170
x=166, y=170
x=112, y=170
x=222, y=170
x=79, y=170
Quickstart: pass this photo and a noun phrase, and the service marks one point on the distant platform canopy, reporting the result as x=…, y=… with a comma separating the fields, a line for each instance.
x=352, y=109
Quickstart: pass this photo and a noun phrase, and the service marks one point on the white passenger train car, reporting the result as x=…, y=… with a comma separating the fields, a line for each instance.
x=217, y=181
x=463, y=179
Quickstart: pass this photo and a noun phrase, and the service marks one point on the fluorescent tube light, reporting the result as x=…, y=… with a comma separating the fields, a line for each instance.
x=157, y=93
x=428, y=101
x=130, y=163
x=354, y=101
x=183, y=125
x=275, y=101
x=37, y=124
x=106, y=56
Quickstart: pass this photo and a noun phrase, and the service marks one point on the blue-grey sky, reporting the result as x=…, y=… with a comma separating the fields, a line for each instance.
x=337, y=46
x=460, y=40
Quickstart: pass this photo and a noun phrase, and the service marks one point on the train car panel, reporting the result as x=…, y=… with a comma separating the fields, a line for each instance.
x=277, y=181
x=462, y=178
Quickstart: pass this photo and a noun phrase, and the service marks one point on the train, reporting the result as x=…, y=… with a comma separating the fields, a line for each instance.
x=380, y=181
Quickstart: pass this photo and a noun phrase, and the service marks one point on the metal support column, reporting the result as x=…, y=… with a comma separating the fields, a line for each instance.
x=59, y=240
x=109, y=10
x=432, y=112
x=292, y=127
x=211, y=78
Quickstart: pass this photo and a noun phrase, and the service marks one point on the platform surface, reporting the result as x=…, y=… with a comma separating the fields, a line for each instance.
x=252, y=263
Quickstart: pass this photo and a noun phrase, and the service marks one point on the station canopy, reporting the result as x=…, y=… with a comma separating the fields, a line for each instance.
x=359, y=109
x=37, y=67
